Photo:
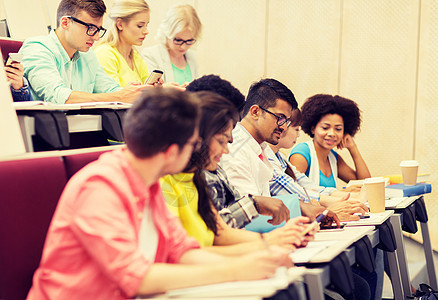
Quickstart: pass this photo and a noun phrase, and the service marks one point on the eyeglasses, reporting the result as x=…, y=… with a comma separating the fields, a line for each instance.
x=196, y=144
x=181, y=42
x=280, y=119
x=92, y=29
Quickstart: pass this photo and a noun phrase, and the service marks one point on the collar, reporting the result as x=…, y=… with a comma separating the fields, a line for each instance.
x=65, y=58
x=246, y=138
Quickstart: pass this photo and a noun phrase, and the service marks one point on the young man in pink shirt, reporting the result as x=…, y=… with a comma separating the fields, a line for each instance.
x=93, y=249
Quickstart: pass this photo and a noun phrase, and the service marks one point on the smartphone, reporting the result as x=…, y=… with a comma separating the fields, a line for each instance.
x=154, y=77
x=333, y=226
x=14, y=57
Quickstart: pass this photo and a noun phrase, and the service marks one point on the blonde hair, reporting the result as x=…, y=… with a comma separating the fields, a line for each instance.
x=177, y=19
x=125, y=10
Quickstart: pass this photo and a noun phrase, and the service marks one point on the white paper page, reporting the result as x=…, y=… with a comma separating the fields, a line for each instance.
x=303, y=255
x=237, y=288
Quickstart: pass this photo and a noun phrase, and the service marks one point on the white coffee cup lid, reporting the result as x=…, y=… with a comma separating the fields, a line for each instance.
x=409, y=163
x=374, y=180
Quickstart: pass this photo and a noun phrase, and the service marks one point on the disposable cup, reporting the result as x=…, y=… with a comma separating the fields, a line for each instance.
x=409, y=169
x=375, y=190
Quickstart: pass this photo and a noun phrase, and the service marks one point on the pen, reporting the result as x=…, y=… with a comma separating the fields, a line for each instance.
x=314, y=223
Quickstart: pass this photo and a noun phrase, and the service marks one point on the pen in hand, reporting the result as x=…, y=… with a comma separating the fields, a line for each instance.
x=314, y=223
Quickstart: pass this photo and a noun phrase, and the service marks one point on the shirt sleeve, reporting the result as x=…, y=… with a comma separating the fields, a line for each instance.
x=179, y=241
x=109, y=62
x=22, y=94
x=103, y=83
x=240, y=174
x=304, y=150
x=104, y=227
x=240, y=213
x=41, y=71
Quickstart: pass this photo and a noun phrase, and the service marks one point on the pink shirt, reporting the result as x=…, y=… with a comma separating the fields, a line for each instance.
x=92, y=246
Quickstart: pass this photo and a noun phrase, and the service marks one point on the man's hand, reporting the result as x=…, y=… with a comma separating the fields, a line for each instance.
x=132, y=91
x=14, y=74
x=272, y=207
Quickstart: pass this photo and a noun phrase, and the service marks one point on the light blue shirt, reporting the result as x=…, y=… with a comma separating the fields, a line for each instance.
x=52, y=75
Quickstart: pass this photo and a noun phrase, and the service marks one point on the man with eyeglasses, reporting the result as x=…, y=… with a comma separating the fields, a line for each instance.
x=61, y=67
x=266, y=114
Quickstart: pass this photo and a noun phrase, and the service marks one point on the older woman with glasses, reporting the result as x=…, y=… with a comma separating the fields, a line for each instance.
x=177, y=33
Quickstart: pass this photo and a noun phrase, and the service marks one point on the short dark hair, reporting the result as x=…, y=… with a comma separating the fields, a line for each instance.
x=159, y=118
x=219, y=86
x=96, y=8
x=265, y=93
x=320, y=105
x=216, y=114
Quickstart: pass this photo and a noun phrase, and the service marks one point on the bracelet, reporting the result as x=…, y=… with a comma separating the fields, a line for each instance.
x=253, y=201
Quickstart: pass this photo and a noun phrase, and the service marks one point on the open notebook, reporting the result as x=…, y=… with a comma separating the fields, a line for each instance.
x=262, y=288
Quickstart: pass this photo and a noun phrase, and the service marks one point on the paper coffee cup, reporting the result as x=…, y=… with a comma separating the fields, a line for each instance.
x=409, y=169
x=375, y=190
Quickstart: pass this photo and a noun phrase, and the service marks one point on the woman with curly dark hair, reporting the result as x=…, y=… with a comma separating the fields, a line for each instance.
x=332, y=122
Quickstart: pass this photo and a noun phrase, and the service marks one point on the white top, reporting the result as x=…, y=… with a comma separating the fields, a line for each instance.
x=243, y=166
x=314, y=165
x=157, y=58
x=148, y=236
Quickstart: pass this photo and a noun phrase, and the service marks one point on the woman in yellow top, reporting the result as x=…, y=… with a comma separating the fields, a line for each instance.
x=116, y=51
x=187, y=196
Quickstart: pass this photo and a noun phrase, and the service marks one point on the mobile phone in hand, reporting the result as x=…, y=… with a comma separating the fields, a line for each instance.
x=154, y=77
x=14, y=57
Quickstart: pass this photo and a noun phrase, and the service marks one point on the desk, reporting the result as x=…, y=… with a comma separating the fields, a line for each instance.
x=257, y=289
x=319, y=277
x=401, y=252
x=76, y=123
x=393, y=257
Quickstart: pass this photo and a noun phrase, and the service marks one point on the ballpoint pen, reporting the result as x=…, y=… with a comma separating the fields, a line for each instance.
x=315, y=223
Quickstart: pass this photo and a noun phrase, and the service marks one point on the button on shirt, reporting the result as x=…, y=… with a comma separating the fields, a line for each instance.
x=245, y=170
x=53, y=75
x=92, y=247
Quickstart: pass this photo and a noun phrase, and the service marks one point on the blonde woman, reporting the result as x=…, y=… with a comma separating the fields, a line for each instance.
x=178, y=31
x=116, y=52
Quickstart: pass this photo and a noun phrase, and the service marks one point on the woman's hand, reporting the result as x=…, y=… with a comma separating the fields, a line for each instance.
x=347, y=142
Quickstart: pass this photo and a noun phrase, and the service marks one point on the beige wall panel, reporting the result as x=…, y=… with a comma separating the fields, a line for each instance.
x=427, y=107
x=26, y=18
x=303, y=45
x=233, y=40
x=378, y=71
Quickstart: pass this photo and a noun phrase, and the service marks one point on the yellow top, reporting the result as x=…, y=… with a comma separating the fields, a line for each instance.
x=182, y=199
x=116, y=66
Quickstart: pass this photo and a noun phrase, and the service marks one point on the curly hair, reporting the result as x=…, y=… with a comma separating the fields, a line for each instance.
x=320, y=105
